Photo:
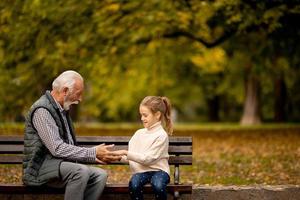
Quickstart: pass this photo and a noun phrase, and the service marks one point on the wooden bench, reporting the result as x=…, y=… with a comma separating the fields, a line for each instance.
x=180, y=150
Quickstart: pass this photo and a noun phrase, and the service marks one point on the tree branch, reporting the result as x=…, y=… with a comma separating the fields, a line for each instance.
x=180, y=33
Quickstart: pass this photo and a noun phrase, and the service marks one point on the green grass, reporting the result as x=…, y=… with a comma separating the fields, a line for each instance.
x=115, y=128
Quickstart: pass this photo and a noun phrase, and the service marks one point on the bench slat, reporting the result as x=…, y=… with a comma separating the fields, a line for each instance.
x=18, y=159
x=109, y=188
x=83, y=140
x=18, y=149
x=11, y=149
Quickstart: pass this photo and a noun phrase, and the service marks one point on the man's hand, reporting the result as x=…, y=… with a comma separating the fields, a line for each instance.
x=104, y=155
x=121, y=152
x=100, y=162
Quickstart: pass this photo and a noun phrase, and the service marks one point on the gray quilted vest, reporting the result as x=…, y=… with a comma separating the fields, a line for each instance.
x=39, y=166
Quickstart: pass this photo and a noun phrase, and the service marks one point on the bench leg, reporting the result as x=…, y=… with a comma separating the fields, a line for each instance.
x=176, y=174
x=176, y=181
x=176, y=195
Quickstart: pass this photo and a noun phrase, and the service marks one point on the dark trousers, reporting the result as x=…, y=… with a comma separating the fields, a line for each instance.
x=157, y=179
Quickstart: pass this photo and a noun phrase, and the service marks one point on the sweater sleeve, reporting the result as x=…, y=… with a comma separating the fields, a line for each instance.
x=156, y=151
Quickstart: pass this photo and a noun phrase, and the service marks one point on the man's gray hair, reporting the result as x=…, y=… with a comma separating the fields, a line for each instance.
x=66, y=79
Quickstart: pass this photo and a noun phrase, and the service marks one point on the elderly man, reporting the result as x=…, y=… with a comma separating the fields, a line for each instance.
x=51, y=156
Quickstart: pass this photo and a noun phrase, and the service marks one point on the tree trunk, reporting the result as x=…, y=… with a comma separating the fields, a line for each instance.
x=280, y=100
x=213, y=109
x=251, y=114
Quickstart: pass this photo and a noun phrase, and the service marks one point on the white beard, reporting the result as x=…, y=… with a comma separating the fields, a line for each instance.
x=68, y=103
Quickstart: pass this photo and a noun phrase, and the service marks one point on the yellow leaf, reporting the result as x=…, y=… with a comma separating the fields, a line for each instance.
x=184, y=18
x=113, y=7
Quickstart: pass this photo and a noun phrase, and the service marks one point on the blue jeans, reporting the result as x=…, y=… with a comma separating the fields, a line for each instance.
x=157, y=179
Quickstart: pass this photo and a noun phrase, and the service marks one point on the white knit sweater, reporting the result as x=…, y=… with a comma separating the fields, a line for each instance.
x=148, y=150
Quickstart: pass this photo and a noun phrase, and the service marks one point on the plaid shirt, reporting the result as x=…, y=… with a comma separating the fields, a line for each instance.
x=49, y=134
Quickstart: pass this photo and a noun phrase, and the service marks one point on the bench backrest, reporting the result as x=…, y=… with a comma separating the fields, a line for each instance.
x=180, y=148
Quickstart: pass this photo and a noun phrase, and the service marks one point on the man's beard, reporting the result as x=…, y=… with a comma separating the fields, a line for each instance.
x=68, y=103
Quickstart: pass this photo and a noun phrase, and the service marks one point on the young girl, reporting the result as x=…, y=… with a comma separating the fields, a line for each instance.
x=148, y=148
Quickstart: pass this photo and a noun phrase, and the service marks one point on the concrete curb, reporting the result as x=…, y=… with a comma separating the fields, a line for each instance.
x=285, y=192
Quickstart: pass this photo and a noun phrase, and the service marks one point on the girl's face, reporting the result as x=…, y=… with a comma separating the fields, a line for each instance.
x=147, y=117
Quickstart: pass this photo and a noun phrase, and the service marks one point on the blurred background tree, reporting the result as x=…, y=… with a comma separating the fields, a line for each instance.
x=216, y=60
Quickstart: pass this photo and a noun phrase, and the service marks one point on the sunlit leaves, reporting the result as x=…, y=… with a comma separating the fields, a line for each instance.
x=211, y=61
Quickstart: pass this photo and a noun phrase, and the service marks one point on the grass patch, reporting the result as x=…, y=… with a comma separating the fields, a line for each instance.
x=130, y=128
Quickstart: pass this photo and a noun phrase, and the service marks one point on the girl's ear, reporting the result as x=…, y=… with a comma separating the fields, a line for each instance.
x=158, y=115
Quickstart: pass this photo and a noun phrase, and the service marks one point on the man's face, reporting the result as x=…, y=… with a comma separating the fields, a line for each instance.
x=73, y=96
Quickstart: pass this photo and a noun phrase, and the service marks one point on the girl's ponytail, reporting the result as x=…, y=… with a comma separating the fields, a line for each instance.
x=167, y=115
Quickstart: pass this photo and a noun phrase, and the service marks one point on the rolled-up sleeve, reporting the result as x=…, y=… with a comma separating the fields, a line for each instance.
x=49, y=134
